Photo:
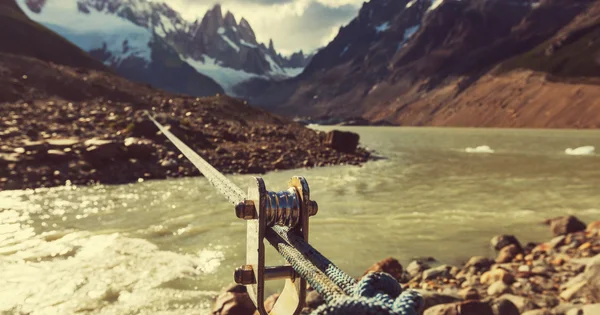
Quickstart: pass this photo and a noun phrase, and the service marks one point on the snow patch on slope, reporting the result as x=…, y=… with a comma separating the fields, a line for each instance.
x=96, y=30
x=383, y=27
x=245, y=43
x=410, y=4
x=230, y=42
x=344, y=50
x=167, y=25
x=293, y=72
x=226, y=77
x=435, y=4
x=408, y=33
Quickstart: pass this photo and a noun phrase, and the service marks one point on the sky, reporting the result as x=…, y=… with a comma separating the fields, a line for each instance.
x=292, y=24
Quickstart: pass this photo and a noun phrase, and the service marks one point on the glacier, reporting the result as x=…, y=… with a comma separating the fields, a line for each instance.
x=94, y=30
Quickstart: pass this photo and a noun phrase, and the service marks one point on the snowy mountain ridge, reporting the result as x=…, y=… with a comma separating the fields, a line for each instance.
x=125, y=34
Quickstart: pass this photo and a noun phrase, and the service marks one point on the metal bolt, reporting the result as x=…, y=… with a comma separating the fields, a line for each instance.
x=245, y=210
x=313, y=208
x=244, y=275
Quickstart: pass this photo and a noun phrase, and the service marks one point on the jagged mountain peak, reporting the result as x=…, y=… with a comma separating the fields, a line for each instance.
x=216, y=45
x=230, y=20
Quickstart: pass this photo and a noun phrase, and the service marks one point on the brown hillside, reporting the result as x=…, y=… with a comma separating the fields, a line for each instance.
x=20, y=35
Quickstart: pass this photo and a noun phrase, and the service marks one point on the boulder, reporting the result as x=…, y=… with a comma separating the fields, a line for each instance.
x=100, y=150
x=504, y=307
x=142, y=126
x=562, y=309
x=541, y=311
x=270, y=302
x=35, y=145
x=234, y=301
x=501, y=241
x=7, y=158
x=461, y=308
x=58, y=156
x=437, y=272
x=593, y=227
x=61, y=143
x=469, y=294
x=431, y=299
x=574, y=290
x=389, y=265
x=508, y=253
x=479, y=263
x=565, y=225
x=590, y=309
x=416, y=267
x=523, y=304
x=343, y=141
x=138, y=148
x=497, y=274
x=498, y=288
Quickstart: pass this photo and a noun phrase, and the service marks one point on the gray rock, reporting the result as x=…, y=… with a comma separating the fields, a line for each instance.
x=98, y=150
x=233, y=301
x=538, y=312
x=442, y=271
x=343, y=141
x=469, y=294
x=508, y=253
x=138, y=148
x=479, y=263
x=431, y=298
x=557, y=242
x=498, y=288
x=461, y=308
x=590, y=309
x=501, y=241
x=504, y=307
x=61, y=143
x=565, y=225
x=562, y=309
x=58, y=156
x=522, y=304
x=10, y=158
x=415, y=268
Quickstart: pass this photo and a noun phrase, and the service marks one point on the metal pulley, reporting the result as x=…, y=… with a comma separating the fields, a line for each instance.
x=263, y=209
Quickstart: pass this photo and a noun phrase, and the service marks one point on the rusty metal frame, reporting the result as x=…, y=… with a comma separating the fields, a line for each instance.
x=259, y=210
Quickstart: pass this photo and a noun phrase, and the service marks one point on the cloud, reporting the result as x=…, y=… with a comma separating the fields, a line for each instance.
x=292, y=24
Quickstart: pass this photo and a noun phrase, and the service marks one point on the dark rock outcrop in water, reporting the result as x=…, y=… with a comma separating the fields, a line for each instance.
x=561, y=276
x=65, y=118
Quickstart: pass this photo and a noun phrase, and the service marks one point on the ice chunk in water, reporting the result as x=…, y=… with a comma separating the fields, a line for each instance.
x=585, y=150
x=480, y=149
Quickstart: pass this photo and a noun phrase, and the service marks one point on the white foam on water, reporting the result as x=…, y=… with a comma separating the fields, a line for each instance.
x=479, y=149
x=585, y=150
x=101, y=274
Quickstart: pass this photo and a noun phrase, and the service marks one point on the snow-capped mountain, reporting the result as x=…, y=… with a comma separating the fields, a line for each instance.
x=145, y=40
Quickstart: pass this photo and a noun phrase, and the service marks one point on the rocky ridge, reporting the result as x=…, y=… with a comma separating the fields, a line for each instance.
x=91, y=129
x=469, y=63
x=557, y=277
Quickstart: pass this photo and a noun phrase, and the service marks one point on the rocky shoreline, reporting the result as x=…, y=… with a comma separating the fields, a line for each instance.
x=557, y=277
x=52, y=142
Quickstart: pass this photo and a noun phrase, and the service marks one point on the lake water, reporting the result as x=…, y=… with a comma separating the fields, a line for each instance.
x=168, y=247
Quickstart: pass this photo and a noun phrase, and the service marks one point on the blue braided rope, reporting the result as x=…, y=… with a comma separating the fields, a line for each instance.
x=377, y=293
